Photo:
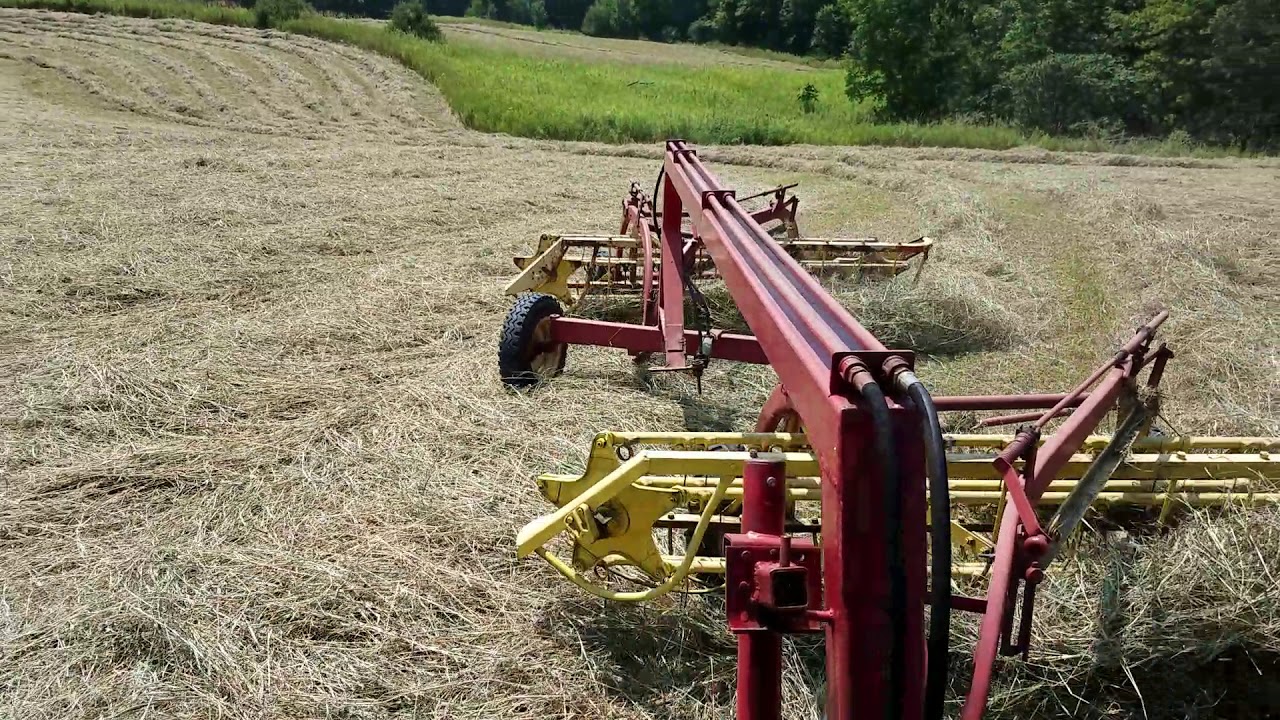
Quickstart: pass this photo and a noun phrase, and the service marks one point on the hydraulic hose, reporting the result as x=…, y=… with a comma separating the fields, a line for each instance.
x=657, y=188
x=940, y=546
x=878, y=408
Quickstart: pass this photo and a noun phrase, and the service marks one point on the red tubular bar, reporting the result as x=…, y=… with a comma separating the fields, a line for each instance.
x=764, y=508
x=1025, y=417
x=1050, y=458
x=1139, y=338
x=1002, y=402
x=641, y=338
x=802, y=331
x=671, y=309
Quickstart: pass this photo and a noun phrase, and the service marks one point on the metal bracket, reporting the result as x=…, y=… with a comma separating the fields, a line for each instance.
x=761, y=594
x=720, y=195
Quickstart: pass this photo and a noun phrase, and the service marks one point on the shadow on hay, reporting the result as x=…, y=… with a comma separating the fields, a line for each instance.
x=944, y=317
x=1182, y=624
x=661, y=659
x=1240, y=685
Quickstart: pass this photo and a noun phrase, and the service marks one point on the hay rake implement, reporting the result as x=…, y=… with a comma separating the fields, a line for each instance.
x=848, y=509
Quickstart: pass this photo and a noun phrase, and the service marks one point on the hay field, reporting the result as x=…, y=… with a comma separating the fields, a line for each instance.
x=557, y=43
x=256, y=461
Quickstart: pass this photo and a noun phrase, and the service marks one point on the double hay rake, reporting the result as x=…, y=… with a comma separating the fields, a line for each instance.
x=847, y=510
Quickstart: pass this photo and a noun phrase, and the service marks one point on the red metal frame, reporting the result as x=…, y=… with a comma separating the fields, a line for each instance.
x=820, y=352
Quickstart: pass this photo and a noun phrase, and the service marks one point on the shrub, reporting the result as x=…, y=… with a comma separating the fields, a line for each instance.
x=831, y=31
x=483, y=9
x=612, y=18
x=808, y=98
x=410, y=17
x=528, y=12
x=1070, y=92
x=270, y=13
x=702, y=30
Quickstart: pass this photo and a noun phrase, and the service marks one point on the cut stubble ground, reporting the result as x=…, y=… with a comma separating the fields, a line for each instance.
x=257, y=461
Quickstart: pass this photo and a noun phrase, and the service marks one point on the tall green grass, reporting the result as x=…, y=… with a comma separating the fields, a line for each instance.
x=498, y=90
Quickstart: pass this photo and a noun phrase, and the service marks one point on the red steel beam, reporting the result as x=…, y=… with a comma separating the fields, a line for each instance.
x=1003, y=402
x=671, y=284
x=798, y=325
x=1052, y=455
x=764, y=510
x=803, y=331
x=646, y=338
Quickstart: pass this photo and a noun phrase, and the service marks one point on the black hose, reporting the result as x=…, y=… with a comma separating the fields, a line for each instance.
x=657, y=188
x=940, y=540
x=879, y=411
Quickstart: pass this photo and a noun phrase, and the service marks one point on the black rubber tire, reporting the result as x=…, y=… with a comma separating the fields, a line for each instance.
x=516, y=351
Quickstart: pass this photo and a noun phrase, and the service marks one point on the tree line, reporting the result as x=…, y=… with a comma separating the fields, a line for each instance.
x=1201, y=70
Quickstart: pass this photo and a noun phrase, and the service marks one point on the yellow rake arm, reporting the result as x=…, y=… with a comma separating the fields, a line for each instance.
x=637, y=485
x=571, y=266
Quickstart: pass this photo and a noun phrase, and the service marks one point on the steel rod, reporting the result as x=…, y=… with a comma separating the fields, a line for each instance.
x=764, y=506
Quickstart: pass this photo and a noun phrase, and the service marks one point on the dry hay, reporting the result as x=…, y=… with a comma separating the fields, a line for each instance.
x=257, y=462
x=228, y=78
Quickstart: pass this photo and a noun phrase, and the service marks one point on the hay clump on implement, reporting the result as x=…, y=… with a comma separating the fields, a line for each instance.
x=850, y=429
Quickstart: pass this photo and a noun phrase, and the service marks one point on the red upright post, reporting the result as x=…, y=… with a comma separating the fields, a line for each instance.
x=764, y=504
x=671, y=285
x=856, y=573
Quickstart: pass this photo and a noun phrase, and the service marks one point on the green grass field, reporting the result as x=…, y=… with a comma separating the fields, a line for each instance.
x=505, y=88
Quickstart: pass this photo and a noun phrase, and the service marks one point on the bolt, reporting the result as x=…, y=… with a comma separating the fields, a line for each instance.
x=773, y=553
x=745, y=555
x=771, y=481
x=1036, y=545
x=754, y=453
x=744, y=586
x=1034, y=575
x=800, y=557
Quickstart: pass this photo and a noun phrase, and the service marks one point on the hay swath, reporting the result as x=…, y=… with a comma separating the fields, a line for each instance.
x=848, y=509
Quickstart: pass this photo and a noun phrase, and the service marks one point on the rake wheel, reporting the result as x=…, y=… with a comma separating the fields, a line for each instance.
x=526, y=354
